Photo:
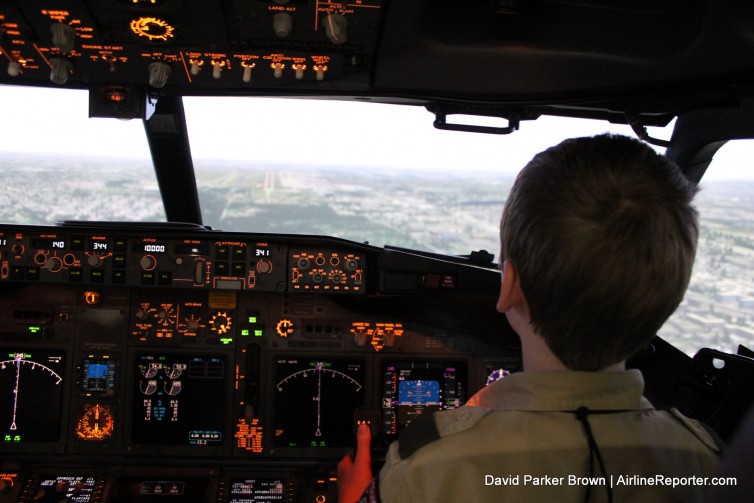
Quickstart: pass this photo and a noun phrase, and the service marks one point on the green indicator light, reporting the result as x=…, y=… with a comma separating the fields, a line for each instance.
x=245, y=332
x=34, y=329
x=226, y=340
x=252, y=319
x=258, y=332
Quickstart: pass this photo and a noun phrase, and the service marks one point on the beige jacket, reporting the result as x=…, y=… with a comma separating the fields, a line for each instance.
x=513, y=442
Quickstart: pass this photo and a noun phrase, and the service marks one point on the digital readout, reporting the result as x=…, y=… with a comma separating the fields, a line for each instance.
x=191, y=249
x=48, y=244
x=150, y=248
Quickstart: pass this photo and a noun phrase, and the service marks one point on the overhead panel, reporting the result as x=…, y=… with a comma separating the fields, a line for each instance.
x=197, y=46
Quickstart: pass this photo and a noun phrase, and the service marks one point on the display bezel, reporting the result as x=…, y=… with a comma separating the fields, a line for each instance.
x=51, y=446
x=462, y=375
x=330, y=451
x=136, y=448
x=93, y=495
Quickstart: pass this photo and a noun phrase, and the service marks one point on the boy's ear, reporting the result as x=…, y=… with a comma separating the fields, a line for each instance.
x=510, y=288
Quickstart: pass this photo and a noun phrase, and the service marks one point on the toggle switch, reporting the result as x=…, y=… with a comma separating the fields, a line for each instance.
x=196, y=66
x=217, y=68
x=247, y=71
x=320, y=70
x=278, y=69
x=299, y=69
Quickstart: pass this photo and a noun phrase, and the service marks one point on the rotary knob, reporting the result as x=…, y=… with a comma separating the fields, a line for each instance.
x=148, y=262
x=53, y=264
x=94, y=260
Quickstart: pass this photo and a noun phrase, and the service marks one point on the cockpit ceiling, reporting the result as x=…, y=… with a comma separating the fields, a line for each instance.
x=640, y=56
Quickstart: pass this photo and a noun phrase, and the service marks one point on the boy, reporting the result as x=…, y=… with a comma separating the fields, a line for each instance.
x=598, y=238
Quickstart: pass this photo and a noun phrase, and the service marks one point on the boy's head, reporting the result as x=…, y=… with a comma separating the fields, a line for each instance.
x=603, y=235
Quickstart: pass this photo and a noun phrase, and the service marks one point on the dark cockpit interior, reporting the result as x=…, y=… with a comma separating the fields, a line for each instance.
x=172, y=362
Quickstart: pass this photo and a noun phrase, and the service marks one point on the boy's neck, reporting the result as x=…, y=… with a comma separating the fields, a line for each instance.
x=537, y=356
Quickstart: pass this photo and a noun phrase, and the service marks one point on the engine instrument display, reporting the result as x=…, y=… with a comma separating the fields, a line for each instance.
x=31, y=395
x=315, y=400
x=413, y=387
x=179, y=399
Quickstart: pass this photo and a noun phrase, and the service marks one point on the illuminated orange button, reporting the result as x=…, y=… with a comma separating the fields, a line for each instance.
x=92, y=298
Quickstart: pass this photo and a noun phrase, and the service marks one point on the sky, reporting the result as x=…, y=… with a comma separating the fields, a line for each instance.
x=308, y=132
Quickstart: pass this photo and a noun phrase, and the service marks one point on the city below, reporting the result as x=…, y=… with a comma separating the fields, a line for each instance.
x=448, y=213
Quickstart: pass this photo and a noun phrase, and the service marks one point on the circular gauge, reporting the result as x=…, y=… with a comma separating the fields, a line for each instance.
x=174, y=371
x=95, y=423
x=152, y=29
x=149, y=369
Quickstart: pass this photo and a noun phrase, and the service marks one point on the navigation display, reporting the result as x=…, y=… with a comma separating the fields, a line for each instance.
x=31, y=395
x=179, y=399
x=315, y=400
x=413, y=387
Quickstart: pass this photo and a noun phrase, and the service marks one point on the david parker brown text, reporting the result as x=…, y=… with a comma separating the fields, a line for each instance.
x=573, y=480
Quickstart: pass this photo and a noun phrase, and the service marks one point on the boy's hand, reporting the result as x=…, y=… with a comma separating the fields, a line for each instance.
x=355, y=474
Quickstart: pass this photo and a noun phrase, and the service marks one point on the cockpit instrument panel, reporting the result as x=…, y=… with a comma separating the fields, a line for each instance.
x=141, y=365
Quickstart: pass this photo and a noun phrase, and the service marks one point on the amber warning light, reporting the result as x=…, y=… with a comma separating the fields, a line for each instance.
x=116, y=94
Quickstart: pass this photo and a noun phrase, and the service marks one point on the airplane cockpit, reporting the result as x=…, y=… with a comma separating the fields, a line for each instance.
x=182, y=358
